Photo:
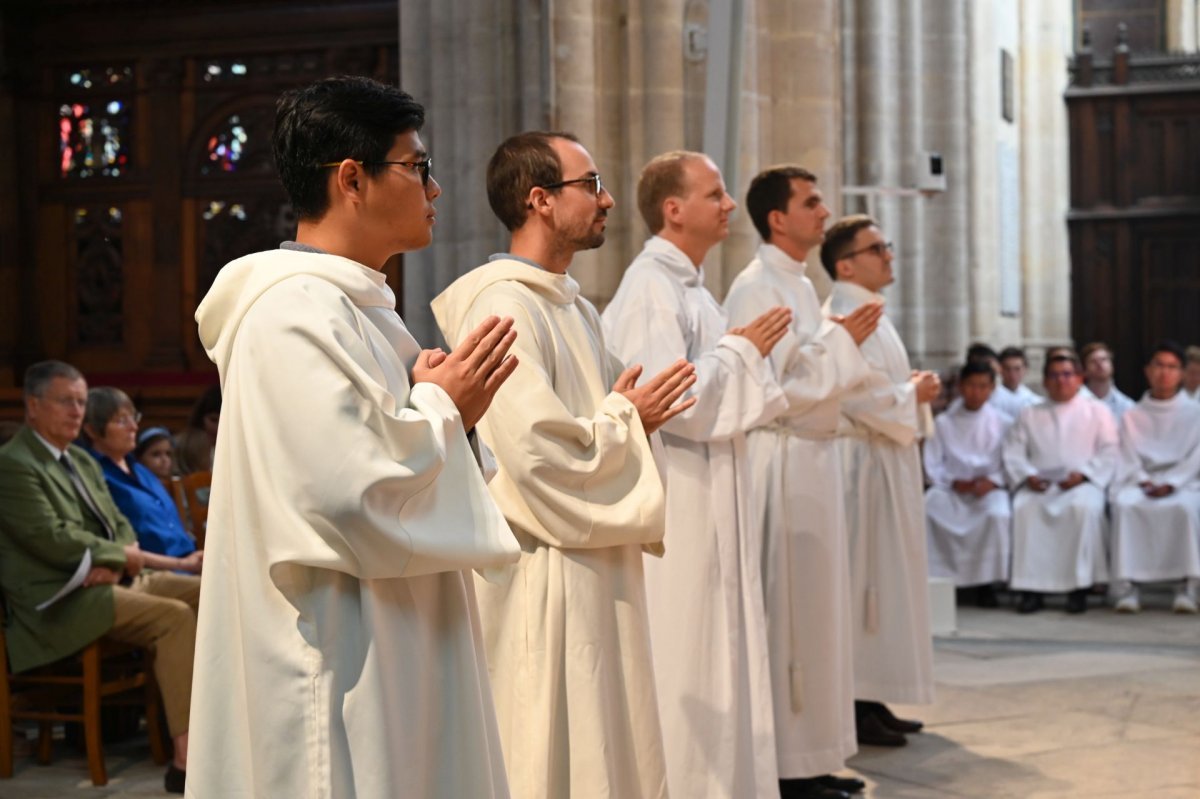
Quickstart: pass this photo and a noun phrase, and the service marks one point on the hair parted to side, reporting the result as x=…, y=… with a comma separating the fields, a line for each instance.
x=520, y=164
x=839, y=240
x=771, y=190
x=661, y=178
x=332, y=120
x=103, y=403
x=1013, y=352
x=1061, y=355
x=39, y=375
x=1093, y=347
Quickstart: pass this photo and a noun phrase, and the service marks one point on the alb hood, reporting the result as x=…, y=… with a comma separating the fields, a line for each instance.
x=239, y=285
x=450, y=308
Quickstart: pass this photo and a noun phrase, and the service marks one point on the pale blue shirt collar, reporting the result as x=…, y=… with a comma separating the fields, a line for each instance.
x=508, y=256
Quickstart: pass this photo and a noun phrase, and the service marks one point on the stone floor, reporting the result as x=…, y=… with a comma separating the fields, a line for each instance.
x=1028, y=707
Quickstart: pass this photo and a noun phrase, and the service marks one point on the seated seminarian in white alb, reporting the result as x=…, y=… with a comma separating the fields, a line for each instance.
x=339, y=650
x=1155, y=500
x=967, y=510
x=1012, y=395
x=881, y=421
x=1060, y=457
x=798, y=482
x=1098, y=382
x=705, y=595
x=1191, y=373
x=567, y=637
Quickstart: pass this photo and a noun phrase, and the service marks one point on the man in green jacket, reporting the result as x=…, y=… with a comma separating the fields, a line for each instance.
x=57, y=519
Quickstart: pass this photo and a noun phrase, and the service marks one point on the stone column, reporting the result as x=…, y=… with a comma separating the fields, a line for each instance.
x=480, y=71
x=1183, y=25
x=1045, y=188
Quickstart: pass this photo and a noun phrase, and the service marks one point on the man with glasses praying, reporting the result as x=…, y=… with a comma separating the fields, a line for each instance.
x=881, y=422
x=1060, y=456
x=565, y=627
x=57, y=519
x=339, y=651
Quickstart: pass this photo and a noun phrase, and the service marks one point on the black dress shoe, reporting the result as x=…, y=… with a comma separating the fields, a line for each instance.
x=985, y=597
x=1031, y=602
x=845, y=784
x=1077, y=601
x=873, y=732
x=174, y=779
x=810, y=788
x=892, y=722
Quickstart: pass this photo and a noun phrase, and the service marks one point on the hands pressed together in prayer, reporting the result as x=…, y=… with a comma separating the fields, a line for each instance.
x=977, y=487
x=655, y=400
x=861, y=323
x=474, y=371
x=1040, y=485
x=928, y=385
x=765, y=331
x=1157, y=490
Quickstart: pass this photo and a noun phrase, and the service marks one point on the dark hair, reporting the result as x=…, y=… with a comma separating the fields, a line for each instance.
x=332, y=120
x=103, y=403
x=978, y=351
x=661, y=178
x=976, y=367
x=771, y=190
x=206, y=403
x=1061, y=355
x=39, y=375
x=839, y=240
x=1171, y=346
x=520, y=164
x=1013, y=352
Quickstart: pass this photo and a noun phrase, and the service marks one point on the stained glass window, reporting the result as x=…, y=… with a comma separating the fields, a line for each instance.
x=225, y=147
x=98, y=77
x=93, y=139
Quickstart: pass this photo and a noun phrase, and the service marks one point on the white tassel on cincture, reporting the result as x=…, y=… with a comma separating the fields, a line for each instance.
x=872, y=610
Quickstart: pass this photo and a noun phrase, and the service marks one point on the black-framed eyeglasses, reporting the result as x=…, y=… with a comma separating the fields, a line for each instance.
x=422, y=167
x=597, y=186
x=879, y=248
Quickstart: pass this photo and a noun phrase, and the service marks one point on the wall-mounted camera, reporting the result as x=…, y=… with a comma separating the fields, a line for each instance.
x=931, y=172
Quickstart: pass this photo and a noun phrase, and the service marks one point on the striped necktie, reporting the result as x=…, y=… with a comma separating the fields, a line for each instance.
x=82, y=489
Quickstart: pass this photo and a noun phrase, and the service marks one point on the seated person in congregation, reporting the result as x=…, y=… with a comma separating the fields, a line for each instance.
x=1060, y=456
x=195, y=444
x=56, y=513
x=1098, y=379
x=1012, y=395
x=967, y=510
x=110, y=428
x=1156, y=496
x=154, y=451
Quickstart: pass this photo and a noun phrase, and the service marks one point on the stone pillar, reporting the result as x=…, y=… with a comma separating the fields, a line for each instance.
x=1045, y=187
x=1183, y=25
x=480, y=70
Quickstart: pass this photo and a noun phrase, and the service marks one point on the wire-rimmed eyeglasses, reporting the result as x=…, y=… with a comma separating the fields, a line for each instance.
x=422, y=167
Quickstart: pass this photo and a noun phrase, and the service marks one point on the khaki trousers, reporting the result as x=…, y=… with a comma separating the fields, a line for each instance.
x=158, y=611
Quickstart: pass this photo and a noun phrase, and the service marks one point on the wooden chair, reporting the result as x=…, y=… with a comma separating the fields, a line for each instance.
x=73, y=689
x=174, y=486
x=195, y=491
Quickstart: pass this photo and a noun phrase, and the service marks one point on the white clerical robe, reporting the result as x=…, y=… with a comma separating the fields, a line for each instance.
x=1157, y=539
x=1059, y=537
x=1115, y=400
x=338, y=650
x=1011, y=403
x=969, y=537
x=566, y=630
x=885, y=514
x=705, y=595
x=798, y=490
